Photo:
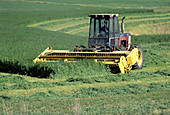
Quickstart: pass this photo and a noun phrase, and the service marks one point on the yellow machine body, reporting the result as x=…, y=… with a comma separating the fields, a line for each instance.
x=123, y=59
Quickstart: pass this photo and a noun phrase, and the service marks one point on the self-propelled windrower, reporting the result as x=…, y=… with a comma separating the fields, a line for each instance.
x=106, y=44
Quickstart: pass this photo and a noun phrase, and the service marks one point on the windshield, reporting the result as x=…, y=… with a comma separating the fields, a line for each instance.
x=99, y=27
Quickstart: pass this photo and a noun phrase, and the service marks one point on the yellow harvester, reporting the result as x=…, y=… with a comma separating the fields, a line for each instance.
x=106, y=43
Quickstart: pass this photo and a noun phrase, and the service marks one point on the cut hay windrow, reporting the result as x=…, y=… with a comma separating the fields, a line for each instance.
x=78, y=30
x=58, y=27
x=71, y=25
x=147, y=19
x=52, y=21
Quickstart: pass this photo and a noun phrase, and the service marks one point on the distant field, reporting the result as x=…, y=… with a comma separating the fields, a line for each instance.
x=131, y=4
x=27, y=27
x=153, y=24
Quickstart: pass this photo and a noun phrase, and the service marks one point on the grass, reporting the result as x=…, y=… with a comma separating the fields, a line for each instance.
x=85, y=87
x=16, y=85
x=118, y=102
x=106, y=4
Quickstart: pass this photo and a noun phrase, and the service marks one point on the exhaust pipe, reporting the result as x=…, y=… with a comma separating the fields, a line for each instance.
x=122, y=25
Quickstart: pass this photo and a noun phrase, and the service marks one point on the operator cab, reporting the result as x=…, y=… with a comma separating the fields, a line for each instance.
x=105, y=32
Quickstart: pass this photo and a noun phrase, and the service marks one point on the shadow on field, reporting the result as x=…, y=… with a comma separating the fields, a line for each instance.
x=55, y=70
x=33, y=71
x=114, y=70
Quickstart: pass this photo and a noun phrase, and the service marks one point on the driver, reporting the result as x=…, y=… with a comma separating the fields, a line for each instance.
x=105, y=29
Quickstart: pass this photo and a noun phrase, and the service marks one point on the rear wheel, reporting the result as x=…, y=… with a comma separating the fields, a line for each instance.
x=139, y=63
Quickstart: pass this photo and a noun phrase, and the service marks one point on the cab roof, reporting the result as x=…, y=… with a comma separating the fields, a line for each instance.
x=103, y=15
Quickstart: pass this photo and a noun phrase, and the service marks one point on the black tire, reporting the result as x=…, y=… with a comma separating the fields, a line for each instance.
x=139, y=63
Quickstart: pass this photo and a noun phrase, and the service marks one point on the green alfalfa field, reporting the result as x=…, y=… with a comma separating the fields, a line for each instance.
x=27, y=27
